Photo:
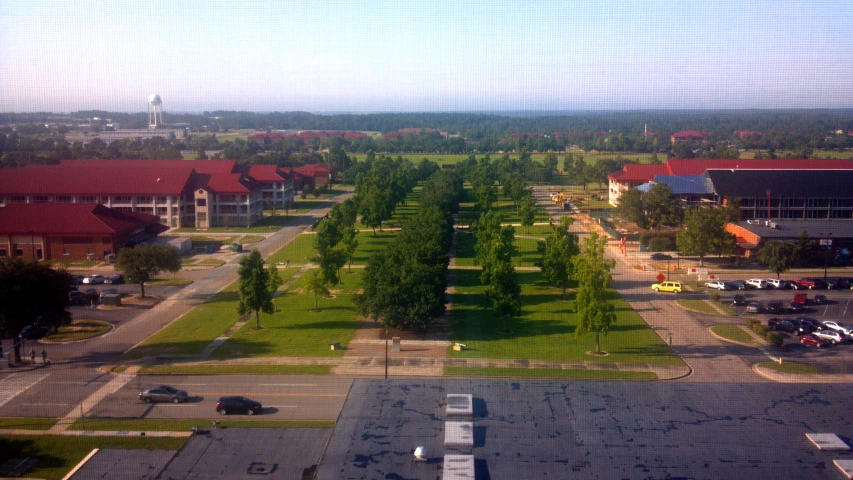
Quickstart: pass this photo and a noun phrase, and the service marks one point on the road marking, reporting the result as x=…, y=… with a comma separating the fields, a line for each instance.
x=15, y=384
x=845, y=307
x=50, y=404
x=229, y=394
x=825, y=310
x=192, y=384
x=287, y=384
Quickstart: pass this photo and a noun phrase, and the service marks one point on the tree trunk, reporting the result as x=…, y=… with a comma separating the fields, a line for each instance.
x=316, y=306
x=142, y=289
x=701, y=260
x=597, y=344
x=257, y=320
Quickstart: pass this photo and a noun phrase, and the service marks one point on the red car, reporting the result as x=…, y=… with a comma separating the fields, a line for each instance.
x=813, y=341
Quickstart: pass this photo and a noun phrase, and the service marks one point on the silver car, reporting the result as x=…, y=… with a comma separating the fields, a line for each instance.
x=830, y=336
x=163, y=393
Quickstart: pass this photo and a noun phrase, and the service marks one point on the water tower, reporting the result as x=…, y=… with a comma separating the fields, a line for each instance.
x=155, y=111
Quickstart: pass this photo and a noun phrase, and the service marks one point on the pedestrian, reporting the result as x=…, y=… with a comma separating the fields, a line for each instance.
x=287, y=263
x=44, y=357
x=32, y=355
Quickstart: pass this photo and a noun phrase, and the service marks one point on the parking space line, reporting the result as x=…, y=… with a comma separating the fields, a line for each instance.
x=845, y=307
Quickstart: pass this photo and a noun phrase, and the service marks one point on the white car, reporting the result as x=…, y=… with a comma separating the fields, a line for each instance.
x=93, y=279
x=757, y=283
x=776, y=283
x=838, y=327
x=719, y=285
x=829, y=335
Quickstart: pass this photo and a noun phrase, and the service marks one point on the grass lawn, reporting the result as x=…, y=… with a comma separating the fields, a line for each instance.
x=57, y=455
x=80, y=330
x=301, y=249
x=790, y=367
x=734, y=333
x=722, y=306
x=697, y=305
x=546, y=328
x=264, y=225
x=236, y=370
x=195, y=330
x=525, y=254
x=251, y=238
x=296, y=330
x=589, y=157
x=211, y=262
x=184, y=425
x=547, y=373
x=169, y=281
x=21, y=423
x=468, y=212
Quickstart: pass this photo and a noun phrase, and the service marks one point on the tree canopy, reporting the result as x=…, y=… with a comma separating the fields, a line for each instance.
x=705, y=233
x=144, y=262
x=592, y=271
x=257, y=286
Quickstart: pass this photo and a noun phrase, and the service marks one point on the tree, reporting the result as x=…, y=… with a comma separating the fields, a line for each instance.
x=504, y=293
x=592, y=271
x=662, y=207
x=558, y=250
x=803, y=245
x=778, y=256
x=349, y=244
x=255, y=290
x=144, y=262
x=527, y=212
x=315, y=282
x=631, y=207
x=705, y=232
x=30, y=291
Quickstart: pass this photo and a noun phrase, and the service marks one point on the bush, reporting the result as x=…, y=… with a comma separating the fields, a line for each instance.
x=761, y=329
x=774, y=338
x=647, y=236
x=303, y=195
x=752, y=322
x=662, y=244
x=715, y=296
x=316, y=193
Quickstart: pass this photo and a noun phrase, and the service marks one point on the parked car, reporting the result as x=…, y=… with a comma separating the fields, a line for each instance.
x=108, y=291
x=93, y=279
x=829, y=335
x=163, y=393
x=802, y=298
x=812, y=340
x=819, y=299
x=812, y=323
x=781, y=325
x=92, y=294
x=115, y=279
x=796, y=307
x=754, y=307
x=660, y=256
x=739, y=300
x=741, y=285
x=811, y=283
x=77, y=279
x=76, y=297
x=845, y=282
x=719, y=285
x=838, y=327
x=831, y=284
x=34, y=332
x=245, y=405
x=796, y=285
x=674, y=287
x=778, y=284
x=775, y=306
x=757, y=283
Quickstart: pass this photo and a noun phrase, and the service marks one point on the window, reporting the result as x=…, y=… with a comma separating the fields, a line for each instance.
x=2, y=252
x=201, y=217
x=41, y=199
x=201, y=202
x=90, y=251
x=63, y=199
x=19, y=252
x=145, y=200
x=19, y=199
x=88, y=199
x=66, y=251
x=162, y=199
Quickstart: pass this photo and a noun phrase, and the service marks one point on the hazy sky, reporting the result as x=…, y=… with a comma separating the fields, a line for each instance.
x=406, y=55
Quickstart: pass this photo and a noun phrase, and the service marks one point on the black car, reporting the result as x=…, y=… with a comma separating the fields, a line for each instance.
x=33, y=332
x=739, y=300
x=661, y=256
x=92, y=294
x=741, y=285
x=819, y=299
x=774, y=306
x=108, y=291
x=115, y=279
x=781, y=325
x=77, y=279
x=812, y=323
x=245, y=405
x=845, y=282
x=796, y=307
x=76, y=297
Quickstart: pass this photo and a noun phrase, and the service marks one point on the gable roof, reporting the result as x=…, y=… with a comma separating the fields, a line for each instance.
x=71, y=219
x=638, y=172
x=265, y=173
x=782, y=183
x=690, y=134
x=70, y=180
x=699, y=165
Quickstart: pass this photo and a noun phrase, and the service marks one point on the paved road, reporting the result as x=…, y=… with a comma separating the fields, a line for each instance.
x=73, y=375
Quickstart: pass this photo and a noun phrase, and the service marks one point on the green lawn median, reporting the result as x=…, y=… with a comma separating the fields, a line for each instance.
x=82, y=329
x=700, y=306
x=790, y=367
x=735, y=333
x=184, y=425
x=235, y=370
x=22, y=423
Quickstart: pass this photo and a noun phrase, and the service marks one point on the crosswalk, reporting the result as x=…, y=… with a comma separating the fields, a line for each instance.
x=17, y=383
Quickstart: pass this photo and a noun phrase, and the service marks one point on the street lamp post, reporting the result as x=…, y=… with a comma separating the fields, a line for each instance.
x=386, y=353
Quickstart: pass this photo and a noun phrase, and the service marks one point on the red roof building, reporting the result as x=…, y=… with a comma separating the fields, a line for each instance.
x=748, y=133
x=75, y=231
x=688, y=136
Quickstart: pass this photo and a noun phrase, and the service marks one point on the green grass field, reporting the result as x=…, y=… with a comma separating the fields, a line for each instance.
x=697, y=305
x=81, y=329
x=297, y=329
x=589, y=157
x=57, y=455
x=21, y=423
x=301, y=249
x=734, y=333
x=545, y=330
x=790, y=367
x=525, y=254
x=184, y=425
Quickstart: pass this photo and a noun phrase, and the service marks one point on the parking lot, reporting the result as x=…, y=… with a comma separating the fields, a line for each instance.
x=118, y=315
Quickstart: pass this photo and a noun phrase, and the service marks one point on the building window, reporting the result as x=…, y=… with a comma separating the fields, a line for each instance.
x=105, y=200
x=88, y=199
x=201, y=202
x=90, y=251
x=66, y=251
x=201, y=216
x=145, y=200
x=162, y=199
x=19, y=252
x=63, y=199
x=19, y=199
x=40, y=199
x=2, y=252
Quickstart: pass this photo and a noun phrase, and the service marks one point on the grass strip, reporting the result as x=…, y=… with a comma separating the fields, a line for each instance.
x=169, y=281
x=790, y=367
x=720, y=305
x=547, y=373
x=80, y=330
x=21, y=423
x=235, y=369
x=697, y=306
x=184, y=424
x=57, y=454
x=734, y=333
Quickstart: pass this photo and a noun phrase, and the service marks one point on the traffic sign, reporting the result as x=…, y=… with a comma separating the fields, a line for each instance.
x=661, y=277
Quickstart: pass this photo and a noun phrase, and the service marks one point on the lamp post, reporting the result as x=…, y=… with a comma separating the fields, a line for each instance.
x=32, y=245
x=386, y=353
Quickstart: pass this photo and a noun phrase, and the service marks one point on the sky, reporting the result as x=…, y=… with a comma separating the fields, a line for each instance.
x=413, y=56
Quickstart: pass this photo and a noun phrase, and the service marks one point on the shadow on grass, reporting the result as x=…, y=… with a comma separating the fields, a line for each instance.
x=331, y=324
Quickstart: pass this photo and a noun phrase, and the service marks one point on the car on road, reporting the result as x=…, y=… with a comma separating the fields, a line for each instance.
x=775, y=306
x=163, y=393
x=838, y=327
x=661, y=256
x=34, y=332
x=719, y=285
x=781, y=325
x=796, y=307
x=812, y=340
x=76, y=297
x=778, y=284
x=114, y=279
x=830, y=335
x=759, y=283
x=845, y=282
x=77, y=279
x=741, y=285
x=802, y=298
x=227, y=405
x=819, y=299
x=93, y=279
x=739, y=300
x=674, y=287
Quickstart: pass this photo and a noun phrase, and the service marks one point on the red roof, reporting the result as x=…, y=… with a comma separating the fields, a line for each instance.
x=748, y=133
x=638, y=172
x=230, y=183
x=166, y=166
x=71, y=180
x=312, y=170
x=265, y=173
x=70, y=219
x=700, y=165
x=690, y=134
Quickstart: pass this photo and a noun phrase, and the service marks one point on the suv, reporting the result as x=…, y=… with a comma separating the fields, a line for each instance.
x=245, y=405
x=674, y=287
x=775, y=306
x=781, y=325
x=754, y=307
x=739, y=300
x=76, y=297
x=802, y=298
x=757, y=283
x=115, y=279
x=838, y=327
x=741, y=285
x=776, y=283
